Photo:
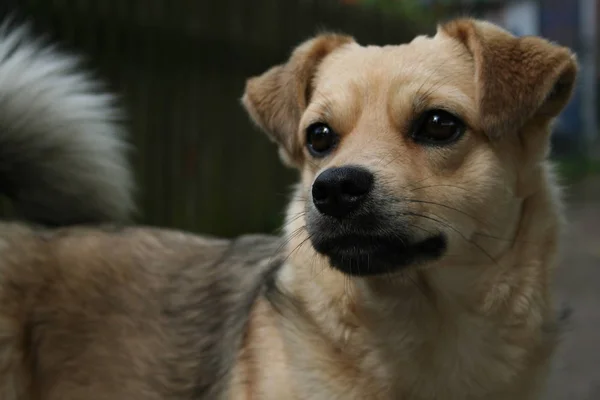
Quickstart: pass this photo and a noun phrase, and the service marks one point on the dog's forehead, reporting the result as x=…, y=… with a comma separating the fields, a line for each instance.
x=424, y=58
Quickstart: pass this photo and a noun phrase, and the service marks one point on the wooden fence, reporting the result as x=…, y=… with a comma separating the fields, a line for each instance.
x=180, y=67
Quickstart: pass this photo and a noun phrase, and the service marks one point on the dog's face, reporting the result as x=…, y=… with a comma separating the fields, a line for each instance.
x=413, y=154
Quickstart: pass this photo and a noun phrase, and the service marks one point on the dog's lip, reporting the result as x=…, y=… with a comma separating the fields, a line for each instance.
x=362, y=254
x=360, y=243
x=357, y=243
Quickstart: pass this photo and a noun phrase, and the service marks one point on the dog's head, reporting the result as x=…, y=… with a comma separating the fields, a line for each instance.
x=413, y=153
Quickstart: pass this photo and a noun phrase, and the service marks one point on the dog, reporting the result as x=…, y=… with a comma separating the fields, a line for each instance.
x=423, y=230
x=418, y=249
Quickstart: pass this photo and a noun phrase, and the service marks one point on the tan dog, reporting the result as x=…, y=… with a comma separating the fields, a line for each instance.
x=419, y=248
x=423, y=233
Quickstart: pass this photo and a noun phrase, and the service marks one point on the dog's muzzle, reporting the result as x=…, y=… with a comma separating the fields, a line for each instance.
x=354, y=227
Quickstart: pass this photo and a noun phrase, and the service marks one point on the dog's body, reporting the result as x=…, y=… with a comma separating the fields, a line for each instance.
x=419, y=243
x=103, y=312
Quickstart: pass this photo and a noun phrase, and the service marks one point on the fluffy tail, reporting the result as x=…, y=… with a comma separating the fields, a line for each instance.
x=63, y=157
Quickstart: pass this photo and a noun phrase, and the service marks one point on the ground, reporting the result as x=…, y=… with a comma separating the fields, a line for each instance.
x=577, y=370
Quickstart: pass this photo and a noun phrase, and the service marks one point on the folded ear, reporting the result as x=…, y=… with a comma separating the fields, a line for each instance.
x=276, y=99
x=517, y=79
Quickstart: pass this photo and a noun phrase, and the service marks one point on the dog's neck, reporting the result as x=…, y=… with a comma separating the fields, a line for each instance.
x=385, y=326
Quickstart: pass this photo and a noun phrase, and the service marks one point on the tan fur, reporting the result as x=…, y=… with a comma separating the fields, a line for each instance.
x=480, y=322
x=124, y=313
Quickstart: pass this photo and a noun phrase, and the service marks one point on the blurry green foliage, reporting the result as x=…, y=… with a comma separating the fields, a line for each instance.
x=427, y=11
x=412, y=9
x=573, y=169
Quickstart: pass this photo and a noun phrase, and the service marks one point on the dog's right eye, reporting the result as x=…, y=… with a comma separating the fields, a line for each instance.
x=320, y=139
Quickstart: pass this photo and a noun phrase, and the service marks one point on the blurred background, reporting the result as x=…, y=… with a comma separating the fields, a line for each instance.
x=180, y=66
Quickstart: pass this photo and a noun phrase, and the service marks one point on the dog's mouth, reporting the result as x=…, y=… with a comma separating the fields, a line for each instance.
x=359, y=227
x=361, y=255
x=371, y=252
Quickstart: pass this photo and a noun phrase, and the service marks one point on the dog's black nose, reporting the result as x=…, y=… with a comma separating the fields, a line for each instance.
x=338, y=191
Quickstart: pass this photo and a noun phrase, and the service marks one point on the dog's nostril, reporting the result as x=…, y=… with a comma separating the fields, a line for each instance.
x=319, y=190
x=356, y=187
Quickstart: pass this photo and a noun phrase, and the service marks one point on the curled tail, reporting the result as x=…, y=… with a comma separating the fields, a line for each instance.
x=63, y=156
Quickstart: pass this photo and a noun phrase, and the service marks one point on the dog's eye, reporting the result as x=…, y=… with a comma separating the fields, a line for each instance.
x=438, y=127
x=320, y=139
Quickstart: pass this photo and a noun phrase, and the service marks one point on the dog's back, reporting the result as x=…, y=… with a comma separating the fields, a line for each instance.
x=105, y=312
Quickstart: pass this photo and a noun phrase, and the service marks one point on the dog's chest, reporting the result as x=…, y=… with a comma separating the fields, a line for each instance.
x=467, y=360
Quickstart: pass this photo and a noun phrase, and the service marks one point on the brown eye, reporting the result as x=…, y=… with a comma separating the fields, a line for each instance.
x=438, y=127
x=320, y=139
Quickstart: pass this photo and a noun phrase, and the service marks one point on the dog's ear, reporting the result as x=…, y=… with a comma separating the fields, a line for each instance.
x=276, y=99
x=518, y=79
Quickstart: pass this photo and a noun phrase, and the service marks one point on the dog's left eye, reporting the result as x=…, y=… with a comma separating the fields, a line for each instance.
x=438, y=127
